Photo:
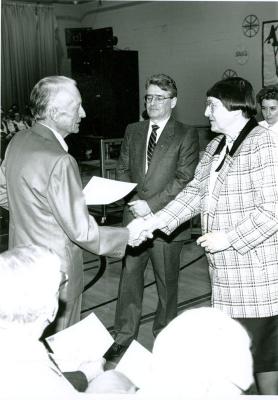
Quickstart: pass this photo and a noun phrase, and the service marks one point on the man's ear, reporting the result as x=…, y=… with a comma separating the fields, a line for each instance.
x=53, y=113
x=173, y=102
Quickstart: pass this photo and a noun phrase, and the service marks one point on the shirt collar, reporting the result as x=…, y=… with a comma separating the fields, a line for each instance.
x=58, y=137
x=273, y=127
x=161, y=124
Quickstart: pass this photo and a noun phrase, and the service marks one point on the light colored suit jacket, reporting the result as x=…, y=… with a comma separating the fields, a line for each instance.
x=40, y=185
x=244, y=204
x=173, y=164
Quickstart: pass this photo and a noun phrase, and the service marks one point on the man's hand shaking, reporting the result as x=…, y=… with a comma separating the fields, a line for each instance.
x=141, y=229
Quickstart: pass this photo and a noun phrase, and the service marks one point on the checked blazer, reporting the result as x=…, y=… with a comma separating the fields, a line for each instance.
x=244, y=204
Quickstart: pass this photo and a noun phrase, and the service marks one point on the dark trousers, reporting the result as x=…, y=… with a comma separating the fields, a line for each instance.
x=165, y=258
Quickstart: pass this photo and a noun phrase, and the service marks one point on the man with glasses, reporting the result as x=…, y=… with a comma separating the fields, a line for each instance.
x=160, y=154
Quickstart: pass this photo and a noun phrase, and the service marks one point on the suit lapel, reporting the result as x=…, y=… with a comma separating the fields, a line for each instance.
x=162, y=145
x=228, y=162
x=142, y=147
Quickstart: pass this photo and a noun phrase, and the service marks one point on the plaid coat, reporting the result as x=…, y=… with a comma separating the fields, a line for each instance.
x=244, y=204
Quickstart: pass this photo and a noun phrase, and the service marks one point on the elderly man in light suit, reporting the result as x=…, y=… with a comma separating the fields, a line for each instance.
x=41, y=186
x=160, y=154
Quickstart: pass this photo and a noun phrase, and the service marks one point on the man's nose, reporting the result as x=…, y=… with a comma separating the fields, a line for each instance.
x=82, y=113
x=268, y=112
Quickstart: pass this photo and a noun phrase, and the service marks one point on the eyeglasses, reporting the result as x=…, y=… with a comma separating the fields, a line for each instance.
x=159, y=99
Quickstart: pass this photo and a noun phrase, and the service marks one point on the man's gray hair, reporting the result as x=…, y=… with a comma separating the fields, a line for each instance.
x=44, y=91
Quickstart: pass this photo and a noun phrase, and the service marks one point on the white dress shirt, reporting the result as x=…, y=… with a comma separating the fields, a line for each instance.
x=273, y=127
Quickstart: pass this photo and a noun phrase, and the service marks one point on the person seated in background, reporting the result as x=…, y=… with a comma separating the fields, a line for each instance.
x=202, y=352
x=14, y=108
x=267, y=98
x=30, y=280
x=12, y=129
x=27, y=115
x=4, y=129
x=19, y=123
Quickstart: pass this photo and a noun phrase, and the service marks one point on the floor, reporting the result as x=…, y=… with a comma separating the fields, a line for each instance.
x=101, y=297
x=194, y=289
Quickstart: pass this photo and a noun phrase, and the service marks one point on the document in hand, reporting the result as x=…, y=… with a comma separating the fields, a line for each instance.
x=87, y=340
x=105, y=191
x=136, y=364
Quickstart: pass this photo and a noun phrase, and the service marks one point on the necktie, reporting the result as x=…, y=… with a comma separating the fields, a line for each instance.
x=152, y=143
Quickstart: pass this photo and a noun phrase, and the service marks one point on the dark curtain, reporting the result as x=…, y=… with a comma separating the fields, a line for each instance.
x=28, y=49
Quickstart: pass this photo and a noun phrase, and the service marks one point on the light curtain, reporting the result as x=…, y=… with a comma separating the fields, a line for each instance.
x=28, y=49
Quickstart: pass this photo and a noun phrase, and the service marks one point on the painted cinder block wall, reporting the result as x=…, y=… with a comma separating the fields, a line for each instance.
x=194, y=42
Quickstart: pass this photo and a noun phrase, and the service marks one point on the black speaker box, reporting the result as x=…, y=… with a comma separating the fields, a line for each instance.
x=90, y=38
x=109, y=86
x=76, y=36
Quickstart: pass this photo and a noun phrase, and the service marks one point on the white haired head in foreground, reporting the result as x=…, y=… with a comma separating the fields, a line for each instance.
x=29, y=288
x=202, y=352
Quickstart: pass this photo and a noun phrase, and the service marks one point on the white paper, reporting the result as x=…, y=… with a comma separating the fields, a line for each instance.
x=136, y=364
x=105, y=191
x=87, y=340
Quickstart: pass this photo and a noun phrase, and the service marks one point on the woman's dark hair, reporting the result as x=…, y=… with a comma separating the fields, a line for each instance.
x=235, y=94
x=267, y=93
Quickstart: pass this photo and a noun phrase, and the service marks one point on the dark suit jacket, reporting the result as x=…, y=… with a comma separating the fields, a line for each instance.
x=173, y=164
x=40, y=184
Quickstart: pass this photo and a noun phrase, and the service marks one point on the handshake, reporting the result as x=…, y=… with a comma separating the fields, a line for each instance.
x=141, y=229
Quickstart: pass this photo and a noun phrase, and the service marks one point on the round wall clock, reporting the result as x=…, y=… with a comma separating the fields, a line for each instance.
x=250, y=25
x=229, y=73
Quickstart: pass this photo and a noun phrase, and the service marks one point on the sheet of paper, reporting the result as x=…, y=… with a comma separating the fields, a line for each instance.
x=136, y=363
x=105, y=191
x=84, y=341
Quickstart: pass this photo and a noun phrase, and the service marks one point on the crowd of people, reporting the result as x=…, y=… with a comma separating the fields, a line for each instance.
x=187, y=360
x=234, y=187
x=12, y=122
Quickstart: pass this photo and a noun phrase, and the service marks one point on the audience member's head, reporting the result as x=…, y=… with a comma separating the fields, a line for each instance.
x=29, y=287
x=57, y=101
x=235, y=94
x=111, y=381
x=17, y=117
x=267, y=98
x=267, y=93
x=201, y=352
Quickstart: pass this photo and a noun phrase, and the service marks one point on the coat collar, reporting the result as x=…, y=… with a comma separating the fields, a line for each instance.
x=43, y=131
x=241, y=137
x=46, y=133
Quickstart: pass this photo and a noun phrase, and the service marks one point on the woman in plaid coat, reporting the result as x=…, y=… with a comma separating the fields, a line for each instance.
x=235, y=189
